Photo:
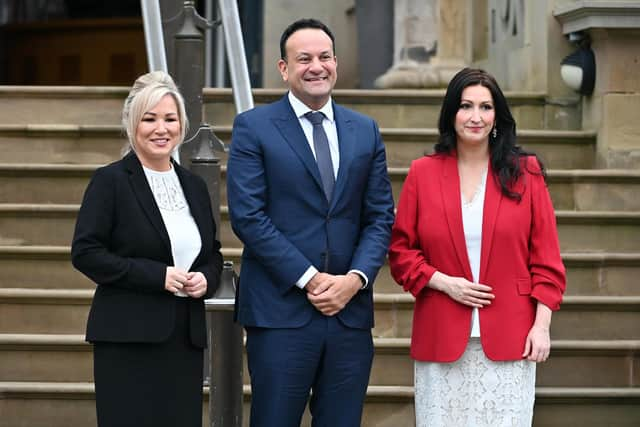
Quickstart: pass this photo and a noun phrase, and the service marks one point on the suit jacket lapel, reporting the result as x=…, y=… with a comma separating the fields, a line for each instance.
x=346, y=145
x=142, y=191
x=450, y=191
x=289, y=126
x=492, y=199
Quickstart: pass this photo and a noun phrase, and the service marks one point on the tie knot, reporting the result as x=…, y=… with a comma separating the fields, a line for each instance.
x=315, y=117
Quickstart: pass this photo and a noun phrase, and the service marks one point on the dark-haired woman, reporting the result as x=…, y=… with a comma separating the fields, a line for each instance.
x=475, y=242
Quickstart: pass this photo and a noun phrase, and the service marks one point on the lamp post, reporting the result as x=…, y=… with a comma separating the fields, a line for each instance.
x=223, y=363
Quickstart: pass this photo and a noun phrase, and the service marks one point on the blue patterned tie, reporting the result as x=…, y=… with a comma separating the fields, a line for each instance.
x=323, y=155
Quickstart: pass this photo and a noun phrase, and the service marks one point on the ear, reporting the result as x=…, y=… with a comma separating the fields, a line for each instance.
x=282, y=67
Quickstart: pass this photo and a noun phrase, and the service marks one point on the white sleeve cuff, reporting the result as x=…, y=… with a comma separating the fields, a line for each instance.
x=304, y=279
x=363, y=276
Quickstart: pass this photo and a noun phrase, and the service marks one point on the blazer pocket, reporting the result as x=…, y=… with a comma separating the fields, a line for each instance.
x=524, y=286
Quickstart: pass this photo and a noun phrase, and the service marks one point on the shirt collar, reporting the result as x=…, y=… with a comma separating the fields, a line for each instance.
x=300, y=109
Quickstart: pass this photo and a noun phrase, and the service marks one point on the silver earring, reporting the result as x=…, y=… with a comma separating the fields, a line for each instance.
x=495, y=131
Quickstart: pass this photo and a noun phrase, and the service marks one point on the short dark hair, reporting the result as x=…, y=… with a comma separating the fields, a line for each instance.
x=301, y=24
x=505, y=152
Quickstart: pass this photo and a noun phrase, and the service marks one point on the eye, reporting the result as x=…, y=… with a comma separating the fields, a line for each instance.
x=326, y=57
x=303, y=59
x=487, y=107
x=148, y=119
x=465, y=106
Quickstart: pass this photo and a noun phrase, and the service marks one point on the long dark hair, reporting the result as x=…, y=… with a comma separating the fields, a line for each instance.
x=504, y=152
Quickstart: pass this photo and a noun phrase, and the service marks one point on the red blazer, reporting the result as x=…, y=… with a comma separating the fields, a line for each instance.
x=520, y=259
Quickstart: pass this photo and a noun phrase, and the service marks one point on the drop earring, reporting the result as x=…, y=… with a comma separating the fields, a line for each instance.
x=494, y=132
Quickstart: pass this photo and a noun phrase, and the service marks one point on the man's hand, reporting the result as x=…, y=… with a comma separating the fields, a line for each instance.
x=319, y=283
x=337, y=294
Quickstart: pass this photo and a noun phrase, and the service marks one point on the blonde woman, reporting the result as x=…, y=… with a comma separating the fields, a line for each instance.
x=145, y=235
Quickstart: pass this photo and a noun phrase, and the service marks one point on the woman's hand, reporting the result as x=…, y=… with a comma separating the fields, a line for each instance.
x=538, y=344
x=196, y=284
x=462, y=290
x=175, y=279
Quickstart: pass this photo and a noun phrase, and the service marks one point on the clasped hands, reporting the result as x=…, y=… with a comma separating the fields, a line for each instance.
x=192, y=283
x=537, y=343
x=330, y=293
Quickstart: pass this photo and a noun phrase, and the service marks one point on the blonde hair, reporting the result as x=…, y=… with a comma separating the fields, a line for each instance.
x=147, y=91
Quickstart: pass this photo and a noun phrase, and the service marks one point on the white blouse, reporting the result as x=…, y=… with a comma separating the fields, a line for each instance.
x=183, y=231
x=472, y=223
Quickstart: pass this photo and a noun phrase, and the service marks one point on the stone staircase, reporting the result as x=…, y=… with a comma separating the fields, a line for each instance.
x=52, y=139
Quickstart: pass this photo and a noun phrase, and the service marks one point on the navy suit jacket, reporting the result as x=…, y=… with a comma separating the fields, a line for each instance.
x=121, y=243
x=278, y=209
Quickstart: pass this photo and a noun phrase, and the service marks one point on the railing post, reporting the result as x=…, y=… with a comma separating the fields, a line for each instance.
x=189, y=72
x=225, y=340
x=223, y=360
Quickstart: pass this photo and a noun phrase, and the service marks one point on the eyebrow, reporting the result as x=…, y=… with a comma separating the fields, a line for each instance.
x=155, y=114
x=489, y=101
x=305, y=53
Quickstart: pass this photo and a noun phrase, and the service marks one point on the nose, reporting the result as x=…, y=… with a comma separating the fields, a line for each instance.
x=475, y=115
x=315, y=65
x=160, y=127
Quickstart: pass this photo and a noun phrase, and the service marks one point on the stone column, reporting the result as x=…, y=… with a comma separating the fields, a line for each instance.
x=430, y=43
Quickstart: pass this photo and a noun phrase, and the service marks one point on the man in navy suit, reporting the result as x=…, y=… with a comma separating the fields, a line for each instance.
x=310, y=198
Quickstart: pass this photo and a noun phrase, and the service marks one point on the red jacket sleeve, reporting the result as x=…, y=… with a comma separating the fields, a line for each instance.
x=408, y=266
x=545, y=262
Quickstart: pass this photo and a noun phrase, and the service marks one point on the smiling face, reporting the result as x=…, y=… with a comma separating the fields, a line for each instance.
x=310, y=66
x=157, y=134
x=475, y=117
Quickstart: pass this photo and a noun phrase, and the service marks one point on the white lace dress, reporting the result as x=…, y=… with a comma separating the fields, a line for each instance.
x=474, y=391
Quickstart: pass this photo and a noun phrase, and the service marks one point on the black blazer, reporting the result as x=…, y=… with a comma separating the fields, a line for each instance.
x=121, y=243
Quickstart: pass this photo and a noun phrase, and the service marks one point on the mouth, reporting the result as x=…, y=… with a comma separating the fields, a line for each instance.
x=316, y=79
x=160, y=141
x=475, y=129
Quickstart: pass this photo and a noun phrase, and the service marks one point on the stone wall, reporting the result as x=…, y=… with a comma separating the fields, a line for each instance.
x=338, y=15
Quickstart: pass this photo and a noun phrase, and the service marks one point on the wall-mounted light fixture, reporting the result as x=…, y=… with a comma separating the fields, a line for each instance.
x=578, y=70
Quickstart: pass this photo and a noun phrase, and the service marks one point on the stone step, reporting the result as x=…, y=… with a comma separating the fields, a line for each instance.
x=55, y=311
x=557, y=149
x=580, y=317
x=45, y=404
x=391, y=108
x=68, y=358
x=82, y=144
x=44, y=183
x=578, y=189
x=578, y=231
x=53, y=224
x=594, y=231
x=35, y=267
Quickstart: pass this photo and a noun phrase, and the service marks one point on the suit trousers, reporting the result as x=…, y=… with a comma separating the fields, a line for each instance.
x=324, y=357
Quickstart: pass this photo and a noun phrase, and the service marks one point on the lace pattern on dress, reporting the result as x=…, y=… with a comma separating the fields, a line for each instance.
x=167, y=191
x=474, y=391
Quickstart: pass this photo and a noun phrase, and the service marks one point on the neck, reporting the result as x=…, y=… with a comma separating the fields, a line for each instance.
x=158, y=166
x=475, y=155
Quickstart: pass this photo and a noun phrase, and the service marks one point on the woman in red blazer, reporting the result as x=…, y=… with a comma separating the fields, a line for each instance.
x=475, y=241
